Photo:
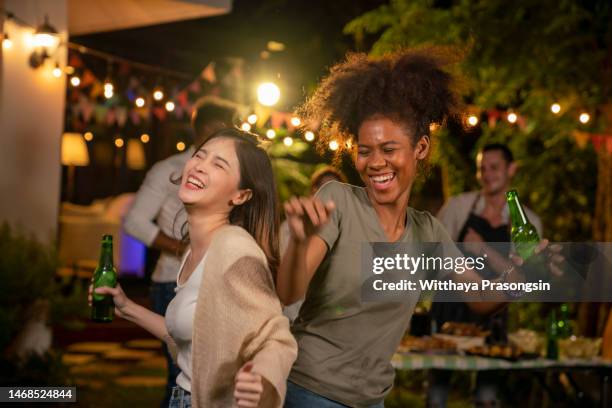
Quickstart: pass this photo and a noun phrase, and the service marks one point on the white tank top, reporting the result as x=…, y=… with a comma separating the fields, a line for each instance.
x=179, y=319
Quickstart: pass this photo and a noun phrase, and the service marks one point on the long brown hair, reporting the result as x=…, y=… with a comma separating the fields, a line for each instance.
x=260, y=214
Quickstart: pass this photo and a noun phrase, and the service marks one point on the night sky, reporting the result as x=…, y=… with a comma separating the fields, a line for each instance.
x=311, y=31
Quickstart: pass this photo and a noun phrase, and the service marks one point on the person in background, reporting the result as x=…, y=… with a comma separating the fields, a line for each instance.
x=478, y=217
x=225, y=325
x=318, y=179
x=157, y=214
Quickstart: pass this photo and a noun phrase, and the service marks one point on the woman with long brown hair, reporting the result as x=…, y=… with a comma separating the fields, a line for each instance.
x=231, y=341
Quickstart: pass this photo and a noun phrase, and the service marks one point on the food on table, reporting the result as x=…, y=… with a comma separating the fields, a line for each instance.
x=426, y=343
x=579, y=347
x=498, y=351
x=463, y=329
x=527, y=340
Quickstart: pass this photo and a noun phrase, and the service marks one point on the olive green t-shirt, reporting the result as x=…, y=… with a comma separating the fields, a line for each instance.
x=346, y=344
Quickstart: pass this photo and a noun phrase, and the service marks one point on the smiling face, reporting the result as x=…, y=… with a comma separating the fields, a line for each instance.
x=211, y=178
x=387, y=159
x=494, y=173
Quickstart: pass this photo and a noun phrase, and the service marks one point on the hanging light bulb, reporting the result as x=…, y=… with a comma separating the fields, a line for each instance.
x=512, y=117
x=288, y=141
x=88, y=136
x=270, y=134
x=245, y=126
x=158, y=94
x=180, y=146
x=309, y=136
x=252, y=119
x=585, y=117
x=144, y=138
x=119, y=142
x=109, y=89
x=555, y=108
x=169, y=106
x=472, y=120
x=75, y=81
x=295, y=121
x=57, y=71
x=333, y=145
x=7, y=43
x=140, y=102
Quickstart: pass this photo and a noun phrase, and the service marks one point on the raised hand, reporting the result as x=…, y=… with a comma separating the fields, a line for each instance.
x=306, y=215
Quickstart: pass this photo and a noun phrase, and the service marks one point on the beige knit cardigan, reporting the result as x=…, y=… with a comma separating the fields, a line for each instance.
x=238, y=318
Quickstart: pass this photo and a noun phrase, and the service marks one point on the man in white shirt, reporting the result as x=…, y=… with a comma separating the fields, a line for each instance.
x=157, y=215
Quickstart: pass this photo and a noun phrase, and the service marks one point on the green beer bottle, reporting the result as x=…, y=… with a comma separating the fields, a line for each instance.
x=564, y=325
x=523, y=233
x=102, y=306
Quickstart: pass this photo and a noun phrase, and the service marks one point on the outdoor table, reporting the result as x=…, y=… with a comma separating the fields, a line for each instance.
x=416, y=361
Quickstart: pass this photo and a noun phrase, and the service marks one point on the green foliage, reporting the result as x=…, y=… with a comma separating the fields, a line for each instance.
x=27, y=275
x=34, y=370
x=524, y=56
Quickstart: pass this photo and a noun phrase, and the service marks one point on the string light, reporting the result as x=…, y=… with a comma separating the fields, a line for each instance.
x=270, y=134
x=245, y=126
x=140, y=102
x=252, y=119
x=158, y=94
x=7, y=43
x=295, y=121
x=169, y=106
x=288, y=141
x=109, y=89
x=88, y=136
x=180, y=146
x=75, y=81
x=309, y=136
x=119, y=142
x=144, y=138
x=333, y=145
x=472, y=120
x=555, y=108
x=585, y=117
x=57, y=71
x=512, y=117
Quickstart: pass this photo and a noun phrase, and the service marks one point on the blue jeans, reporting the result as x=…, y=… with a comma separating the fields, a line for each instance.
x=300, y=397
x=179, y=398
x=161, y=296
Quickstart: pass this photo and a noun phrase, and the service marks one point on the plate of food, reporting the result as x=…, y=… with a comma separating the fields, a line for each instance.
x=464, y=335
x=506, y=352
x=426, y=344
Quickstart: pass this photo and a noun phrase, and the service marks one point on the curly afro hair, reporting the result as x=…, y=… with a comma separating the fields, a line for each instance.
x=410, y=87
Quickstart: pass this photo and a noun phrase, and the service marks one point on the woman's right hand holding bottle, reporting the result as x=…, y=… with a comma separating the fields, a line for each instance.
x=306, y=215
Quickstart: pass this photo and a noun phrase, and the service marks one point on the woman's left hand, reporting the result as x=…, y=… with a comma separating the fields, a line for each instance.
x=248, y=388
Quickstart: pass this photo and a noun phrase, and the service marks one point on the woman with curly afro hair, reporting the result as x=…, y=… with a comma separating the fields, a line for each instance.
x=384, y=108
